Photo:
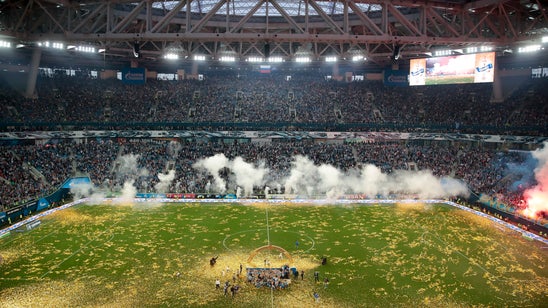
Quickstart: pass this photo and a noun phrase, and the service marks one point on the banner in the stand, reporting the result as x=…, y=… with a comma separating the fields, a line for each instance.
x=134, y=75
x=76, y=181
x=396, y=78
x=43, y=204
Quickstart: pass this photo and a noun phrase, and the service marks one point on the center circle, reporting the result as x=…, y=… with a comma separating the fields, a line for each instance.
x=302, y=241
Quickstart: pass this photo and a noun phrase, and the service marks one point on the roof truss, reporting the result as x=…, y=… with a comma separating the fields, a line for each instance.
x=415, y=26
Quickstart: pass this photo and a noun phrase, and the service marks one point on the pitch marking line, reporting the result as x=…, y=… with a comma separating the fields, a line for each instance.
x=225, y=245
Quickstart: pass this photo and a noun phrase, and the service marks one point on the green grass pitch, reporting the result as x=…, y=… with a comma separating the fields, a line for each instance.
x=398, y=255
x=450, y=79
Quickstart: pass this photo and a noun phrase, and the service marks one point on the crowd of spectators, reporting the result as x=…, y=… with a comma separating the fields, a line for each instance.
x=304, y=102
x=262, y=101
x=30, y=171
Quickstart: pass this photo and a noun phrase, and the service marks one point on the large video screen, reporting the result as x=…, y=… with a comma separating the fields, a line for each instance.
x=470, y=68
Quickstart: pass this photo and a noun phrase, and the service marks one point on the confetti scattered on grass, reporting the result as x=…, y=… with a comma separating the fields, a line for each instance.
x=403, y=255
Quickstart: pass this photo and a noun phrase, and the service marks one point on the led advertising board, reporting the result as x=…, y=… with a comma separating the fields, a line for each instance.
x=469, y=68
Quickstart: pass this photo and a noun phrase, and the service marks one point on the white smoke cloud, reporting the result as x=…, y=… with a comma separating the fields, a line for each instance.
x=331, y=181
x=213, y=165
x=243, y=174
x=371, y=181
x=85, y=190
x=165, y=181
x=82, y=190
x=128, y=192
x=127, y=170
x=247, y=175
x=307, y=179
x=302, y=177
x=127, y=165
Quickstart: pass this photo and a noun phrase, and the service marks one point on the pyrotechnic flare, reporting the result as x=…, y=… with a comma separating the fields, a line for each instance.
x=536, y=197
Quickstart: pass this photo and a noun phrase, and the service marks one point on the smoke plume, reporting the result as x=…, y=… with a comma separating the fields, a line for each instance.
x=213, y=166
x=243, y=174
x=537, y=196
x=128, y=192
x=165, y=181
x=308, y=179
x=247, y=175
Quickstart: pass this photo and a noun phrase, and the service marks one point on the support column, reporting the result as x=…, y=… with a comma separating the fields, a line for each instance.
x=335, y=74
x=194, y=71
x=33, y=72
x=497, y=96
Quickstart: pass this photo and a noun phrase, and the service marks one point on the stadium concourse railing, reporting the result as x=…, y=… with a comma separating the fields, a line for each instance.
x=389, y=126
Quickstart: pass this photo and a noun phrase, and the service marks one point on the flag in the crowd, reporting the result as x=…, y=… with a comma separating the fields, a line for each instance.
x=264, y=69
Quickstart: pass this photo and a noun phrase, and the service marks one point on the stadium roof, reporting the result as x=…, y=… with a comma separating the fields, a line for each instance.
x=240, y=8
x=376, y=29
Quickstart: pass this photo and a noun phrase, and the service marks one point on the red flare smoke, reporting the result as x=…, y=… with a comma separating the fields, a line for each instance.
x=536, y=197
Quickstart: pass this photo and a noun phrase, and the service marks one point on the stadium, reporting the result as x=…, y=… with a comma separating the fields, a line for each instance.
x=216, y=153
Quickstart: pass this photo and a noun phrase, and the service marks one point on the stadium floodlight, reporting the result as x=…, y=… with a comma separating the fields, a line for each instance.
x=227, y=59
x=530, y=48
x=199, y=57
x=255, y=59
x=5, y=44
x=57, y=45
x=440, y=53
x=87, y=49
x=171, y=56
x=275, y=59
x=486, y=48
x=302, y=59
x=54, y=45
x=471, y=49
x=545, y=39
x=101, y=50
x=331, y=59
x=357, y=58
x=71, y=47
